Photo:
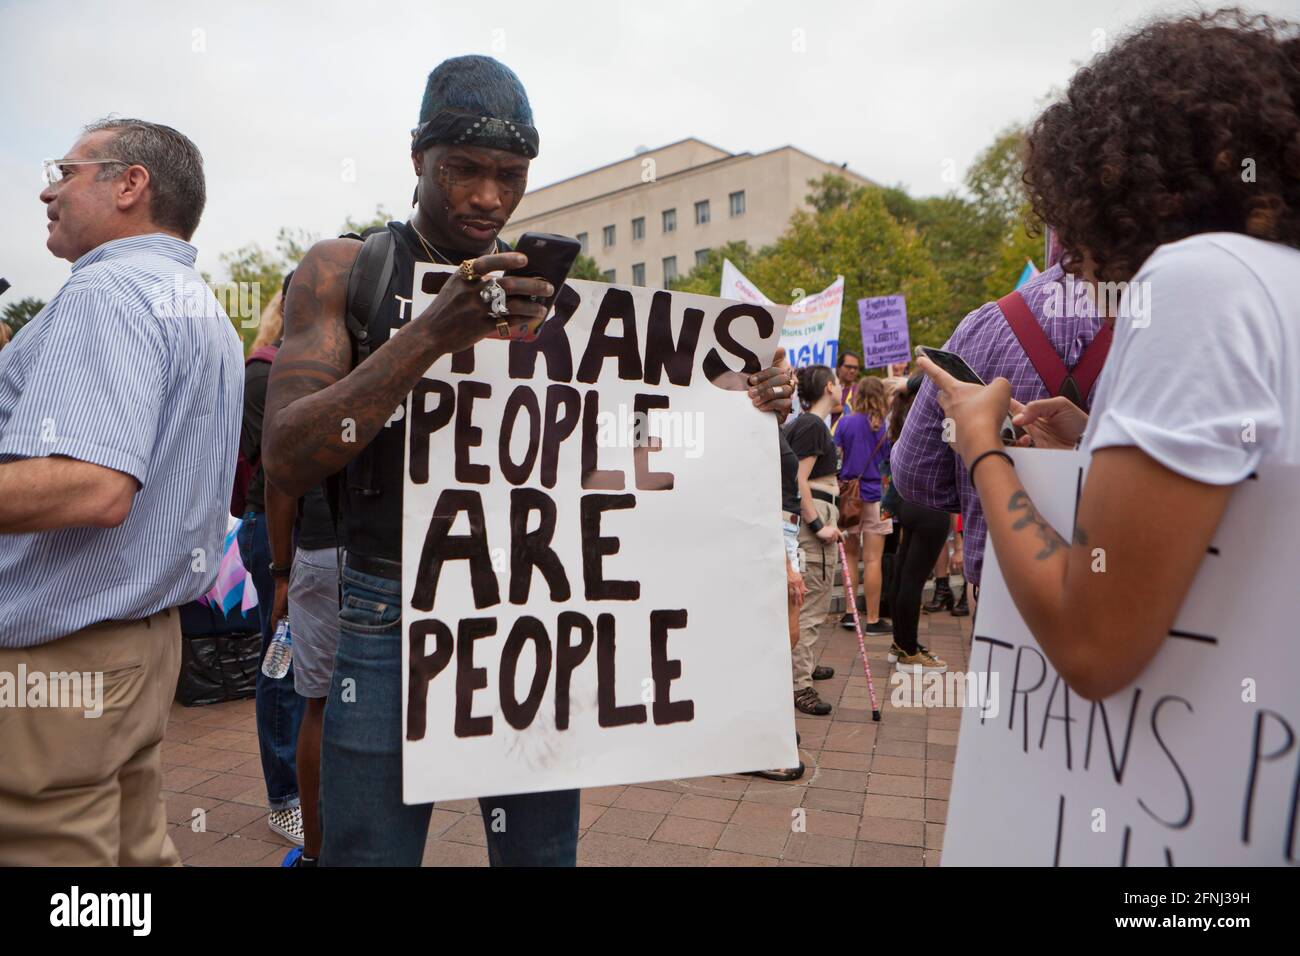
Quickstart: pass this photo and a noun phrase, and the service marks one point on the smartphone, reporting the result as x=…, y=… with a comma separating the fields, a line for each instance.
x=550, y=257
x=956, y=366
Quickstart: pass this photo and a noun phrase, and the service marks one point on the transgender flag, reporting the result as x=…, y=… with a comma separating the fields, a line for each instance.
x=234, y=585
x=1027, y=273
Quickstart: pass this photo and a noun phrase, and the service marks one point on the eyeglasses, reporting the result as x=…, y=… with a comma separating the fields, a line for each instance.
x=52, y=169
x=851, y=368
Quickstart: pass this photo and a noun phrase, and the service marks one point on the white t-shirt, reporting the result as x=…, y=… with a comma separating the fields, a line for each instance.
x=1210, y=388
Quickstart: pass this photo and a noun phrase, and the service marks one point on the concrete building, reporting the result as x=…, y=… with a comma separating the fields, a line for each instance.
x=649, y=218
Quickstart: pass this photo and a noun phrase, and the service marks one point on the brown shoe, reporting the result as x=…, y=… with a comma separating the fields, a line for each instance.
x=808, y=702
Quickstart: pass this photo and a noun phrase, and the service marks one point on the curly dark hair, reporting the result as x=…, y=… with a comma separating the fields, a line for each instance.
x=1157, y=140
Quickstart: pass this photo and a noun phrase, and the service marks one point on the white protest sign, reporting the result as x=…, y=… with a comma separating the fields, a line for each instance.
x=593, y=575
x=811, y=334
x=1195, y=764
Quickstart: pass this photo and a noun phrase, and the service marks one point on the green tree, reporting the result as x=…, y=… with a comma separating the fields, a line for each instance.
x=994, y=180
x=17, y=314
x=584, y=267
x=706, y=277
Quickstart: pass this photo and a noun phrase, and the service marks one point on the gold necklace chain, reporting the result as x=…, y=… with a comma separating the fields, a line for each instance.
x=428, y=248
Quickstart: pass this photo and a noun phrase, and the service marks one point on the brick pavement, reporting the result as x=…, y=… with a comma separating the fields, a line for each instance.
x=873, y=794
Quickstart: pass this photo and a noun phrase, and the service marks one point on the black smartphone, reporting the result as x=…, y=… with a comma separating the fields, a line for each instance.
x=956, y=366
x=550, y=257
x=952, y=363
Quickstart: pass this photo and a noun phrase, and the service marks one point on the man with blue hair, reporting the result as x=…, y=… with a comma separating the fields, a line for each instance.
x=329, y=410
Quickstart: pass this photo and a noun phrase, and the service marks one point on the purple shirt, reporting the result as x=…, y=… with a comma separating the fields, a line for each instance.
x=857, y=440
x=925, y=470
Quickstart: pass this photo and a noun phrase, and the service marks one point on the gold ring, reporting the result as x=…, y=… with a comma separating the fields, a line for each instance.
x=503, y=329
x=466, y=271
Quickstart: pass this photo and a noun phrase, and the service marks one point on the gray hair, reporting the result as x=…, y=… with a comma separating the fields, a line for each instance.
x=177, y=189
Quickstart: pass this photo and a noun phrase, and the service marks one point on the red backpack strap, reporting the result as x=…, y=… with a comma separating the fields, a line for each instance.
x=263, y=353
x=1087, y=369
x=1032, y=338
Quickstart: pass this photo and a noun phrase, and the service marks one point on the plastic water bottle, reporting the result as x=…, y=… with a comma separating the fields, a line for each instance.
x=280, y=654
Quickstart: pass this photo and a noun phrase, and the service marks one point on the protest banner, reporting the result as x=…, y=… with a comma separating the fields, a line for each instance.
x=1194, y=764
x=885, y=336
x=811, y=335
x=593, y=573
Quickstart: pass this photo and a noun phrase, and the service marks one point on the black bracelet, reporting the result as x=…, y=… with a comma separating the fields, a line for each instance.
x=979, y=458
x=815, y=525
x=280, y=571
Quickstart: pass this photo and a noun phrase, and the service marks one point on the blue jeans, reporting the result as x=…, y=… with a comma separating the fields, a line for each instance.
x=279, y=708
x=363, y=819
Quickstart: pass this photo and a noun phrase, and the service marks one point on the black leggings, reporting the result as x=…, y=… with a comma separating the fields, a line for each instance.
x=924, y=532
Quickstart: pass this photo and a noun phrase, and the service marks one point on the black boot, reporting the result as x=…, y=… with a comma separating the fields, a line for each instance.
x=961, y=608
x=942, y=597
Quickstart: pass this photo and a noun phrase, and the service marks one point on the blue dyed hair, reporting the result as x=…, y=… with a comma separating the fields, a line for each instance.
x=476, y=84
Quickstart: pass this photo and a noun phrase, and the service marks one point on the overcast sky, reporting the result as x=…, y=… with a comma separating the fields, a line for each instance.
x=286, y=99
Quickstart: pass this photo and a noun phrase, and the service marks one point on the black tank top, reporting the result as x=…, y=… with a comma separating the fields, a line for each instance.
x=373, y=481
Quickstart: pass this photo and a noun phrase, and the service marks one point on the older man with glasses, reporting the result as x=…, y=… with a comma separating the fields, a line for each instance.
x=119, y=430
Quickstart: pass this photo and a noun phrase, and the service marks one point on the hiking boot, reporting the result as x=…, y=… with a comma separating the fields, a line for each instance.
x=942, y=600
x=806, y=701
x=961, y=608
x=822, y=672
x=922, y=659
x=287, y=823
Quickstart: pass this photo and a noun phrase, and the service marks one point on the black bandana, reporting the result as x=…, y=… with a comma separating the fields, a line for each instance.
x=448, y=128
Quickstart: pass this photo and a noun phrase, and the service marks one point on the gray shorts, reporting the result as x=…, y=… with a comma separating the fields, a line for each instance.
x=314, y=620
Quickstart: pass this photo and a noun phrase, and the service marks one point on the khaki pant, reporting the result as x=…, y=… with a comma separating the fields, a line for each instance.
x=79, y=790
x=820, y=560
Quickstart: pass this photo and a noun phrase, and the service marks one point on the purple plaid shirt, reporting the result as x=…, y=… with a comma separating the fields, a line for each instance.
x=924, y=468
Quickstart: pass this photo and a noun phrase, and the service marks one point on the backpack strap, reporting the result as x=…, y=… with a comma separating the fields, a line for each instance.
x=368, y=282
x=1087, y=369
x=1038, y=347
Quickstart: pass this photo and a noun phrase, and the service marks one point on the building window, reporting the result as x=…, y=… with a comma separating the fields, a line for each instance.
x=738, y=203
x=609, y=236
x=638, y=227
x=638, y=273
x=670, y=270
x=610, y=275
x=701, y=212
x=701, y=256
x=670, y=220
x=582, y=243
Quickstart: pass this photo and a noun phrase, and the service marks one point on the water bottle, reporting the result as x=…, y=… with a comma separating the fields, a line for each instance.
x=280, y=654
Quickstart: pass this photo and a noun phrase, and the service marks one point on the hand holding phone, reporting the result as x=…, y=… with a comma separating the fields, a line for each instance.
x=550, y=257
x=956, y=366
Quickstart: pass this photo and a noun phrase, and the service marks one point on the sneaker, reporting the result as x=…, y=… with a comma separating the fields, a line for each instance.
x=922, y=659
x=877, y=628
x=895, y=652
x=822, y=672
x=287, y=823
x=847, y=621
x=808, y=702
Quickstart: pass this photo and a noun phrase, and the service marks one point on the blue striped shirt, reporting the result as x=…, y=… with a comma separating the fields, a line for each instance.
x=134, y=366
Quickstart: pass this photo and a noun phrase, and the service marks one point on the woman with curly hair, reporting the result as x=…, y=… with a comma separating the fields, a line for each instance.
x=1172, y=165
x=863, y=440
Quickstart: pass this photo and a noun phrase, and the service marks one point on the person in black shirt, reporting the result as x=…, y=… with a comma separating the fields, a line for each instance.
x=470, y=152
x=819, y=468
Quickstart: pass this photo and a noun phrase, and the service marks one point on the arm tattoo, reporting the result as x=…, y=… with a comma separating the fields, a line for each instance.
x=1052, y=542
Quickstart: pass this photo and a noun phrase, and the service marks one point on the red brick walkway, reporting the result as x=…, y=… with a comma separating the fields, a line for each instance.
x=873, y=794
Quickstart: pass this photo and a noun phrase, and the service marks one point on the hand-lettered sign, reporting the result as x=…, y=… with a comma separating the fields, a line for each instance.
x=593, y=579
x=811, y=334
x=885, y=335
x=1195, y=764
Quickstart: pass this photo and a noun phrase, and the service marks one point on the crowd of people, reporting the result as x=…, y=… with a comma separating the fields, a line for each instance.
x=121, y=437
